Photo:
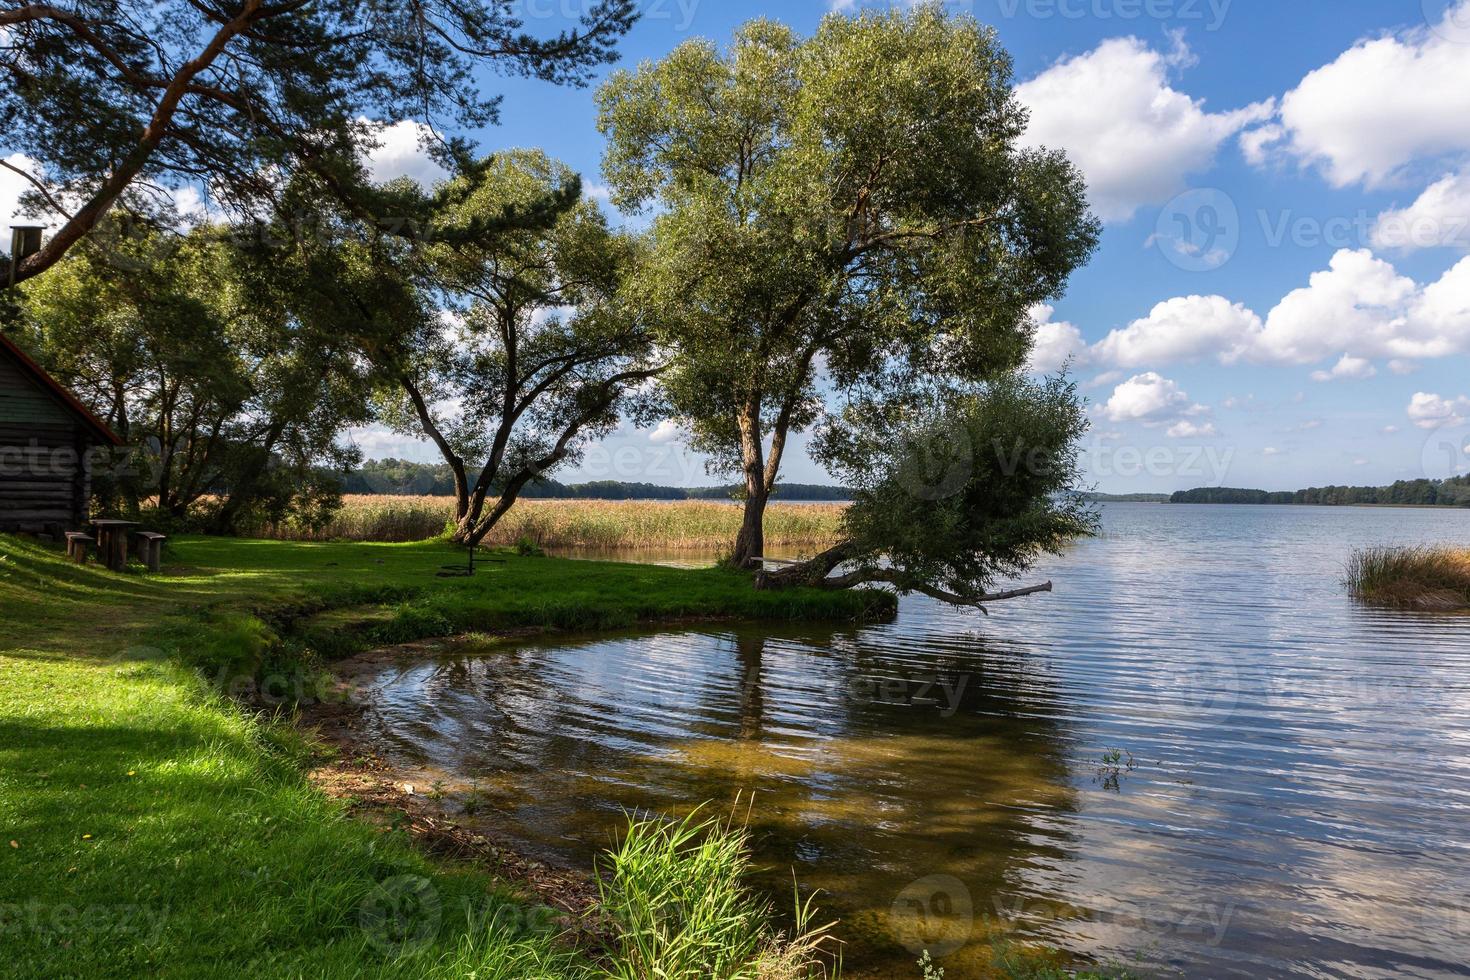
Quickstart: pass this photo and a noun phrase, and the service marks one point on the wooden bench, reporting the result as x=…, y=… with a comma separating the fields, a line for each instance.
x=150, y=549
x=77, y=544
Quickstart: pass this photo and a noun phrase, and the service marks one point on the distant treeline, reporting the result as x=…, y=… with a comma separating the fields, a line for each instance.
x=1454, y=492
x=1128, y=498
x=381, y=477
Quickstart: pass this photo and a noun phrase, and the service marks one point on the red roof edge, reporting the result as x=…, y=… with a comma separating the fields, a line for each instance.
x=97, y=426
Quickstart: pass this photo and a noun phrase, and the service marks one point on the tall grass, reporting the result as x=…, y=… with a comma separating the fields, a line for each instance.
x=592, y=524
x=1424, y=578
x=676, y=893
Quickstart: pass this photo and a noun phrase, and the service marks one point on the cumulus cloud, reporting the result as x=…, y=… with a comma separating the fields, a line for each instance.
x=1135, y=137
x=1379, y=106
x=1358, y=309
x=1153, y=400
x=1054, y=343
x=1349, y=368
x=1185, y=328
x=1429, y=411
x=401, y=154
x=1439, y=218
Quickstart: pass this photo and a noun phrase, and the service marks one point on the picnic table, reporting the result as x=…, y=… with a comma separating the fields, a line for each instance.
x=112, y=542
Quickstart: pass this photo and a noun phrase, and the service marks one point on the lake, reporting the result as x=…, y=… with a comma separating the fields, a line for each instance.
x=1197, y=753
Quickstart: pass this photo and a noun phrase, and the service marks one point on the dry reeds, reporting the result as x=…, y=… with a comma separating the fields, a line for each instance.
x=1423, y=578
x=589, y=524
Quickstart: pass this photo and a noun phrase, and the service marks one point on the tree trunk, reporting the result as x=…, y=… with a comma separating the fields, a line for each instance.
x=750, y=544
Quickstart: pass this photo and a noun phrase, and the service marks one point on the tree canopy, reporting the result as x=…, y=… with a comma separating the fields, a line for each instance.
x=118, y=98
x=523, y=349
x=846, y=216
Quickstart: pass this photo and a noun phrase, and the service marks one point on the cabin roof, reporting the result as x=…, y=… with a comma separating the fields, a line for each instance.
x=67, y=399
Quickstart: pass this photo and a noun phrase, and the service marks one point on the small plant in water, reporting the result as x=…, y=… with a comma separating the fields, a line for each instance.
x=527, y=548
x=1115, y=763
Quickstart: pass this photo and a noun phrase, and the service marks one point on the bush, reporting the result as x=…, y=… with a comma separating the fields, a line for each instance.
x=1428, y=579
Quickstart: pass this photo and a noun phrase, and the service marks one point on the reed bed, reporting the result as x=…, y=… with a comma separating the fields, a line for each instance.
x=1423, y=578
x=582, y=524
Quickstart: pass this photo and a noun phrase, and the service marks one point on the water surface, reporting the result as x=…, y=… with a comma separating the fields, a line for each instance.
x=1197, y=751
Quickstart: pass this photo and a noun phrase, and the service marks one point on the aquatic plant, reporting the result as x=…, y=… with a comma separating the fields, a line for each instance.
x=676, y=891
x=1424, y=578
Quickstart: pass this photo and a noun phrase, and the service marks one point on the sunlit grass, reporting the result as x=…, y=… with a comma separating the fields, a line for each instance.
x=593, y=524
x=1424, y=578
x=677, y=894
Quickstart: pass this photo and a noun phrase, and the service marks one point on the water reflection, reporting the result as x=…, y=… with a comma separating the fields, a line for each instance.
x=1198, y=750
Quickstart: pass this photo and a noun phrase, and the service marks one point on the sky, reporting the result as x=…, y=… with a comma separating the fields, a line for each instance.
x=1281, y=297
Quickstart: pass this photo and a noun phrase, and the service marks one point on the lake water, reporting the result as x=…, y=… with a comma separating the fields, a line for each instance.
x=1197, y=753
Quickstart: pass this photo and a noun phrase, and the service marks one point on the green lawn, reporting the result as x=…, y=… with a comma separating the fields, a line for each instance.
x=159, y=829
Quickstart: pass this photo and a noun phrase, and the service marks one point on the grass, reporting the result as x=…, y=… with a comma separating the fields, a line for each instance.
x=675, y=890
x=1423, y=578
x=591, y=524
x=151, y=826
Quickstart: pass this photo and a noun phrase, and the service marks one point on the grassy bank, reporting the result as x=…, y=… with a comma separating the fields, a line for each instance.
x=149, y=826
x=653, y=525
x=1428, y=579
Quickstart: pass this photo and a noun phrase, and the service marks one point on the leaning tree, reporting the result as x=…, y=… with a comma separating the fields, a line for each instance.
x=959, y=490
x=845, y=216
x=120, y=100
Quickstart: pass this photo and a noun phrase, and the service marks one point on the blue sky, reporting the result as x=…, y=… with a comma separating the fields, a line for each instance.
x=1282, y=294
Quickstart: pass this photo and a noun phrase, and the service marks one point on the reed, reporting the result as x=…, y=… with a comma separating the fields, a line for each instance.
x=582, y=524
x=1432, y=579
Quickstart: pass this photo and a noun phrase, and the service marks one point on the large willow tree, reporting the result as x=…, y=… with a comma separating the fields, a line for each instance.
x=848, y=216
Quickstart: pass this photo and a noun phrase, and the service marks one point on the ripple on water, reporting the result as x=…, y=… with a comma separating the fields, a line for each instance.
x=1290, y=793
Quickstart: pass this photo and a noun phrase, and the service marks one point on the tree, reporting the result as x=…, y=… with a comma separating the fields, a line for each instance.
x=949, y=500
x=229, y=406
x=521, y=349
x=848, y=215
x=115, y=98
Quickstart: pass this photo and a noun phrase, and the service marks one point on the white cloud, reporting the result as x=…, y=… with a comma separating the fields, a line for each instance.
x=1383, y=104
x=1272, y=451
x=1185, y=429
x=1154, y=400
x=667, y=431
x=1389, y=430
x=1349, y=368
x=1429, y=411
x=1439, y=218
x=1183, y=329
x=1360, y=304
x=1054, y=344
x=1120, y=120
x=1402, y=367
x=401, y=154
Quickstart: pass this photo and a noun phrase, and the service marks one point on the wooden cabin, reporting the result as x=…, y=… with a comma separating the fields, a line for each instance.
x=48, y=441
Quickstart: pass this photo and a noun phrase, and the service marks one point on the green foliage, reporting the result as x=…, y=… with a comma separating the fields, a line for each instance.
x=230, y=408
x=1451, y=492
x=117, y=100
x=676, y=893
x=857, y=200
x=973, y=490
